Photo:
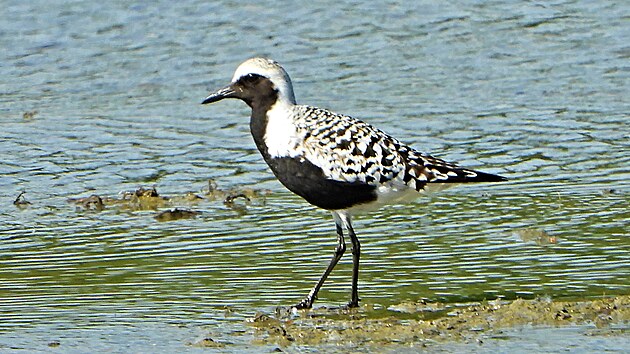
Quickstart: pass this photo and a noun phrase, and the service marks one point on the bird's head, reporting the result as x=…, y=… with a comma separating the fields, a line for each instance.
x=257, y=80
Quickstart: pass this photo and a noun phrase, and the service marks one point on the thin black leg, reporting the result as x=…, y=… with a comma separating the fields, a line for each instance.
x=307, y=302
x=356, y=254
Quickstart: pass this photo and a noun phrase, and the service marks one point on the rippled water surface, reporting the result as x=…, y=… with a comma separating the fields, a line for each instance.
x=99, y=98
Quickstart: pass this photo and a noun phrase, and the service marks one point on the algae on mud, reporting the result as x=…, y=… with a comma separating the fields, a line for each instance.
x=149, y=199
x=457, y=322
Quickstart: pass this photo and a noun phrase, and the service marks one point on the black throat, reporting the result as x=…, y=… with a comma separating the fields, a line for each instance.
x=261, y=102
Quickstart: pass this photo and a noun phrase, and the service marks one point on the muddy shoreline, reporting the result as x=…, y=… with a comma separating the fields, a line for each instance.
x=424, y=324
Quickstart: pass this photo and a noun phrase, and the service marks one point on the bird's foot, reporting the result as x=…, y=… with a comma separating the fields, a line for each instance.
x=306, y=303
x=352, y=304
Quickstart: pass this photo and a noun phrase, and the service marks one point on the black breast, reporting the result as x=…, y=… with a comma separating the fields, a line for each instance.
x=308, y=181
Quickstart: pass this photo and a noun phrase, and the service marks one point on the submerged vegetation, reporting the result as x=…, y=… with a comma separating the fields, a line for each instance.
x=149, y=199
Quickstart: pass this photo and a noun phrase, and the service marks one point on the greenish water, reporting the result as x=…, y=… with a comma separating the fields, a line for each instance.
x=536, y=93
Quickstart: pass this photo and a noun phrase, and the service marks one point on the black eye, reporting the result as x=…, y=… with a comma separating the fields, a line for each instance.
x=250, y=78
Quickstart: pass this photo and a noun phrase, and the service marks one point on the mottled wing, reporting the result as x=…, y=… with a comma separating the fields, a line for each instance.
x=350, y=150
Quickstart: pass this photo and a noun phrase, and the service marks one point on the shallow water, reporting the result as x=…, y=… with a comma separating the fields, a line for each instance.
x=538, y=93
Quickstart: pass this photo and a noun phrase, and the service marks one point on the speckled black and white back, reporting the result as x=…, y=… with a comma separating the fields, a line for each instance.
x=350, y=150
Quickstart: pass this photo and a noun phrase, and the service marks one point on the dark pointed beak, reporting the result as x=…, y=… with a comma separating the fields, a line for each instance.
x=226, y=92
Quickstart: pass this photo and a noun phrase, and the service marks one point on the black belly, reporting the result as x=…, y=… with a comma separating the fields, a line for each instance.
x=308, y=181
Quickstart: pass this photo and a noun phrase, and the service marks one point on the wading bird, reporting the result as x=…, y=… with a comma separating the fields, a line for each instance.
x=333, y=161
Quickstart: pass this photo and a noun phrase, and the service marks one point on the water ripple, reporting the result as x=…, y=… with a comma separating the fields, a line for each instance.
x=100, y=98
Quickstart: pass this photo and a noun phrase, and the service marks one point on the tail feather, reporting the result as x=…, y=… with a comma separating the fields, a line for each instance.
x=486, y=177
x=427, y=169
x=454, y=174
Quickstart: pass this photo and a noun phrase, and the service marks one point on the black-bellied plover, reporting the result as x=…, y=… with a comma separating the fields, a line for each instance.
x=334, y=161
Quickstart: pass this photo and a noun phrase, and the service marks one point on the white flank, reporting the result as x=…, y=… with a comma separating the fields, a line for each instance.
x=389, y=193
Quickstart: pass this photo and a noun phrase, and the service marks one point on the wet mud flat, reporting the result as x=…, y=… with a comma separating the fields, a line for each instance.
x=169, y=206
x=440, y=326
